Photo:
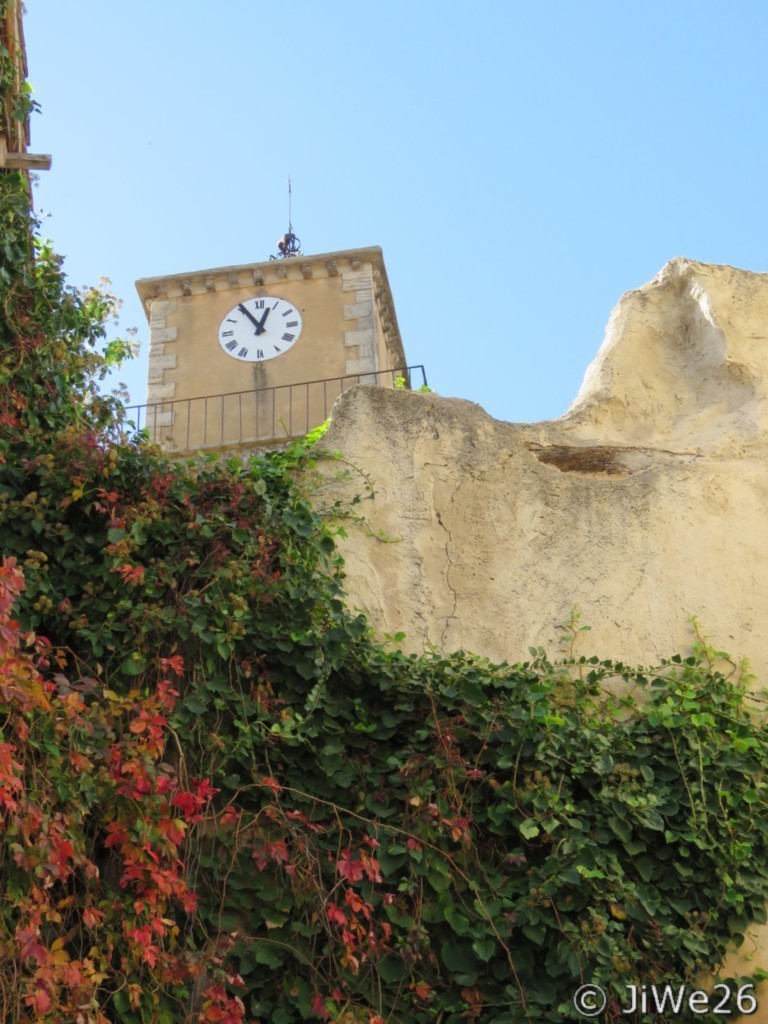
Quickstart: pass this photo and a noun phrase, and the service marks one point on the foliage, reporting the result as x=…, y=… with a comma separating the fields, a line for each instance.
x=52, y=350
x=92, y=893
x=370, y=836
x=401, y=384
x=222, y=799
x=16, y=100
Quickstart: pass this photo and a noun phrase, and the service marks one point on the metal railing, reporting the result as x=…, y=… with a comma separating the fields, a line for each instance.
x=261, y=416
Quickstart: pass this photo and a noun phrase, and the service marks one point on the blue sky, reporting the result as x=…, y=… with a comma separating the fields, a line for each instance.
x=521, y=164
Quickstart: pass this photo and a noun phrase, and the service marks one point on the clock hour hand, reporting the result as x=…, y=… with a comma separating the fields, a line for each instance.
x=252, y=318
x=260, y=328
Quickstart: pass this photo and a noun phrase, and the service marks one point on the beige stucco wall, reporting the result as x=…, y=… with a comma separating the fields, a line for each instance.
x=643, y=506
x=203, y=368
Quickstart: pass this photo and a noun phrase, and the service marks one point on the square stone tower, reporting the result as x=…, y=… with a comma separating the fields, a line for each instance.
x=254, y=354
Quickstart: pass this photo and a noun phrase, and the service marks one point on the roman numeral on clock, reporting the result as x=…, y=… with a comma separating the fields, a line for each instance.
x=242, y=353
x=259, y=353
x=288, y=337
x=231, y=345
x=227, y=334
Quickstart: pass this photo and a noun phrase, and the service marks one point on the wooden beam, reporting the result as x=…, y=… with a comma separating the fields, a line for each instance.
x=27, y=162
x=22, y=161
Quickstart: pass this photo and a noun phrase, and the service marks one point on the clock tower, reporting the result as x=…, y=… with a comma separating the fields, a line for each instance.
x=250, y=355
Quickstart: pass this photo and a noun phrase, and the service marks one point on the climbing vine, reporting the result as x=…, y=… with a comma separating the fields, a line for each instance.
x=223, y=799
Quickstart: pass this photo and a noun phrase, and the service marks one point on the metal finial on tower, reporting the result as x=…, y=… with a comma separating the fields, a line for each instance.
x=288, y=245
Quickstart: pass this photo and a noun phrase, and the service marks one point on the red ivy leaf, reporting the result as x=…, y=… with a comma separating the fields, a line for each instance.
x=131, y=574
x=39, y=1001
x=173, y=664
x=336, y=915
x=350, y=869
x=421, y=990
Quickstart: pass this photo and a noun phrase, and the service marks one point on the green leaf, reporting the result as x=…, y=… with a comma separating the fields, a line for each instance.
x=391, y=969
x=268, y=953
x=456, y=958
x=537, y=933
x=133, y=665
x=619, y=827
x=484, y=948
x=456, y=919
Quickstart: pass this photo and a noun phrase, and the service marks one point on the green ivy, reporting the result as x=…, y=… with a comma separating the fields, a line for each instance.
x=15, y=96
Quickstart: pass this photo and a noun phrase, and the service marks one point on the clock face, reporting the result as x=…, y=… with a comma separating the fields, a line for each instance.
x=259, y=329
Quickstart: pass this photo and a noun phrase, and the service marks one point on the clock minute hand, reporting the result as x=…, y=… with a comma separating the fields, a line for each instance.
x=252, y=318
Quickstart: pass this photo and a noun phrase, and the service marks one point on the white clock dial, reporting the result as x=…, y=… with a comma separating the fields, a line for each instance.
x=260, y=328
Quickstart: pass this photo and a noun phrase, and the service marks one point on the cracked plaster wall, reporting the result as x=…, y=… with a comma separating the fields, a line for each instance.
x=644, y=505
